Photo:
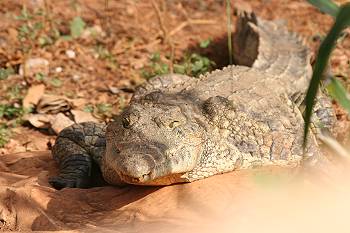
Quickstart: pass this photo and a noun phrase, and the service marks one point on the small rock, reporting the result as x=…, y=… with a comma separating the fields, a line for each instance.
x=37, y=3
x=93, y=31
x=58, y=69
x=70, y=54
x=59, y=122
x=34, y=66
x=76, y=78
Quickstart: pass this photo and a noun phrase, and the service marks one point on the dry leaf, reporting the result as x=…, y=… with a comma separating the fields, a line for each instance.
x=41, y=121
x=81, y=116
x=33, y=95
x=53, y=104
x=59, y=122
x=79, y=103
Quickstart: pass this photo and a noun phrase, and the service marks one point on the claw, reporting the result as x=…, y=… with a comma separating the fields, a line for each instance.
x=59, y=182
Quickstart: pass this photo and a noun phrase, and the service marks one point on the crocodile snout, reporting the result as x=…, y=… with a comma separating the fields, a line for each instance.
x=136, y=167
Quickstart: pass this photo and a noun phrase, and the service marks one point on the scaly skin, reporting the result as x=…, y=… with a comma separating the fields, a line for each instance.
x=180, y=129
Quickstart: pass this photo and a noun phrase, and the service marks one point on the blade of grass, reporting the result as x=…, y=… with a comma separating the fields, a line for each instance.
x=338, y=92
x=342, y=21
x=326, y=6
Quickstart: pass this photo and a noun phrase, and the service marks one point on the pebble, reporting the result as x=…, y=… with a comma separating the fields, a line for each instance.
x=58, y=69
x=70, y=54
x=76, y=78
x=34, y=66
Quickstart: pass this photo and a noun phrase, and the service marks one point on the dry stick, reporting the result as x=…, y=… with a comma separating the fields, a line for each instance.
x=166, y=37
x=191, y=22
x=160, y=20
x=48, y=15
x=105, y=18
x=229, y=31
x=171, y=33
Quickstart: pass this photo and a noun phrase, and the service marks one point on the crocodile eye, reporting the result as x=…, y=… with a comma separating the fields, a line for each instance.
x=130, y=118
x=126, y=122
x=174, y=124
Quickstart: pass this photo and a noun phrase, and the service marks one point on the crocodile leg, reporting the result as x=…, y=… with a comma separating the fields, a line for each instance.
x=323, y=117
x=77, y=149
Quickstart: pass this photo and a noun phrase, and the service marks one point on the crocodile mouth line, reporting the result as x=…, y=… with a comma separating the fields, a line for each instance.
x=160, y=181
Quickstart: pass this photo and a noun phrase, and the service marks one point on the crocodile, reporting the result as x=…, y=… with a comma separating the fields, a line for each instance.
x=180, y=129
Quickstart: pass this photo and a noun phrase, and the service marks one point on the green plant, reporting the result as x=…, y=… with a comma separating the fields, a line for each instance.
x=14, y=93
x=10, y=112
x=205, y=43
x=4, y=134
x=36, y=29
x=56, y=82
x=88, y=108
x=104, y=110
x=156, y=67
x=6, y=72
x=104, y=54
x=342, y=20
x=77, y=26
x=194, y=65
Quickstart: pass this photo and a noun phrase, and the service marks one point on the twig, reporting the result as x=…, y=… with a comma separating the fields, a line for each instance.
x=190, y=22
x=160, y=20
x=166, y=37
x=229, y=31
x=48, y=15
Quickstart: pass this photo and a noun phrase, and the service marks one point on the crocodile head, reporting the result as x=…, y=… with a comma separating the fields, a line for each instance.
x=155, y=140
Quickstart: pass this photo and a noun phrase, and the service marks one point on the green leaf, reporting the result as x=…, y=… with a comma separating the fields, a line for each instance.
x=56, y=82
x=342, y=21
x=103, y=108
x=179, y=69
x=6, y=72
x=77, y=26
x=205, y=43
x=4, y=135
x=25, y=15
x=155, y=57
x=40, y=76
x=338, y=92
x=326, y=6
x=88, y=108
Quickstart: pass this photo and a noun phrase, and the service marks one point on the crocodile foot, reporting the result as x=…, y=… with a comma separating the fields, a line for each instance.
x=75, y=172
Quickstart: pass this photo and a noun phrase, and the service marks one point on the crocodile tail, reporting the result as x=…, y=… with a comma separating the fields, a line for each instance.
x=268, y=46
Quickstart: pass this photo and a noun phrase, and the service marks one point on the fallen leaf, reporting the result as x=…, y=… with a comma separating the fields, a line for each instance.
x=59, y=122
x=81, y=116
x=41, y=121
x=33, y=96
x=79, y=103
x=52, y=104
